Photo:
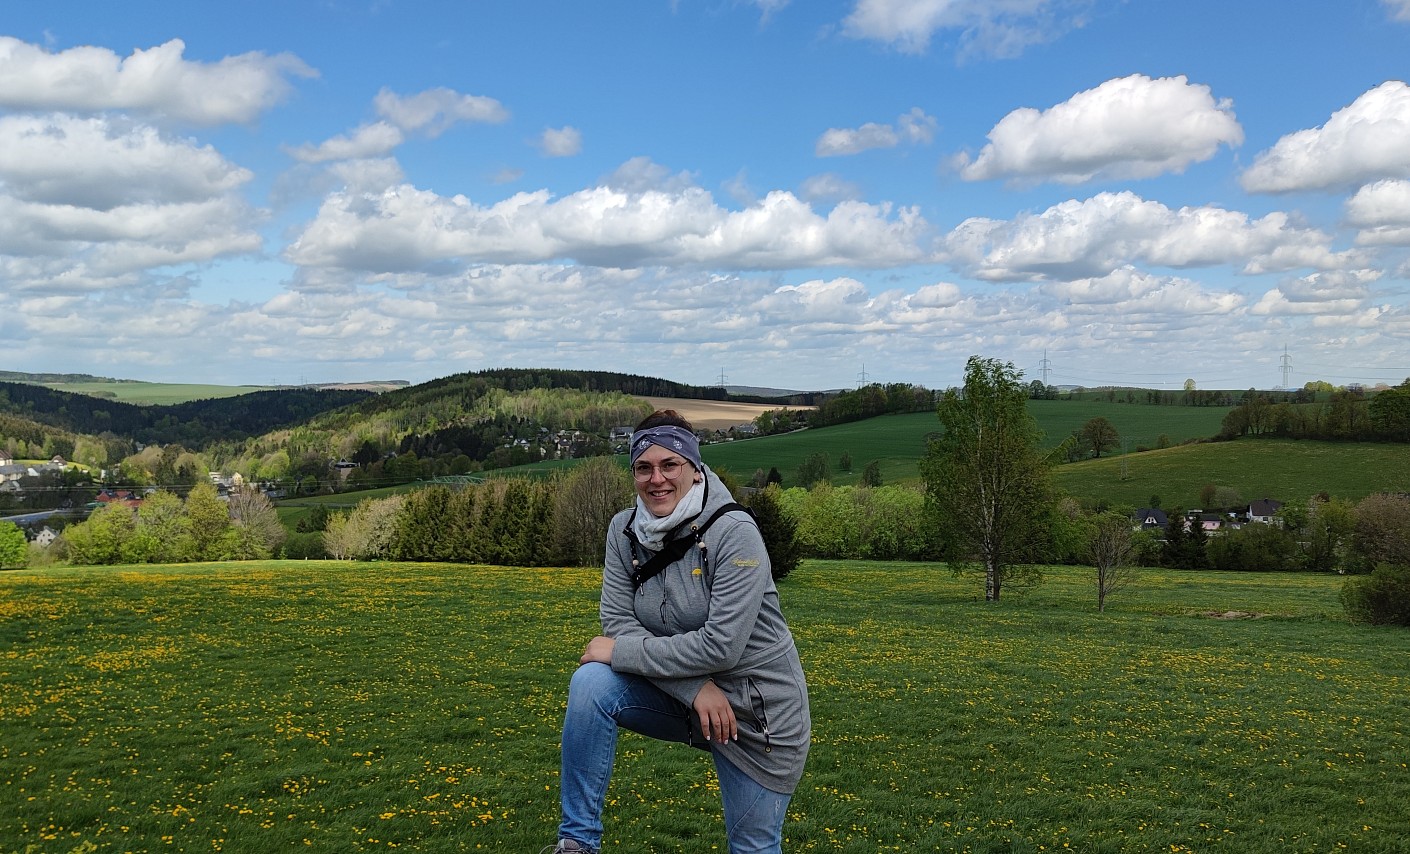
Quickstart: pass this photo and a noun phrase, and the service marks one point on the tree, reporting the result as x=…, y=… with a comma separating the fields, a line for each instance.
x=163, y=532
x=14, y=548
x=778, y=529
x=1109, y=548
x=315, y=521
x=871, y=475
x=987, y=480
x=844, y=463
x=210, y=522
x=1100, y=435
x=583, y=505
x=365, y=533
x=813, y=470
x=100, y=538
x=1382, y=533
x=259, y=532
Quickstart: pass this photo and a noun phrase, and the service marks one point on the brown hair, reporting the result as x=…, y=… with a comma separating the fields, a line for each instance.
x=664, y=418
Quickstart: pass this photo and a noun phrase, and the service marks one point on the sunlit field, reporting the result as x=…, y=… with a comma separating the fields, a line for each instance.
x=341, y=707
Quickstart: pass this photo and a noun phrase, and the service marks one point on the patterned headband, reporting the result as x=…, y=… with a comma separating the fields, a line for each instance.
x=672, y=438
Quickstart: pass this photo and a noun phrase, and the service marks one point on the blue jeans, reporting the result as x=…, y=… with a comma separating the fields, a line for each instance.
x=599, y=701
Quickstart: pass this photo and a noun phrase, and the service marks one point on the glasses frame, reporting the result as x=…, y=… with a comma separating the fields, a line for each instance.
x=678, y=465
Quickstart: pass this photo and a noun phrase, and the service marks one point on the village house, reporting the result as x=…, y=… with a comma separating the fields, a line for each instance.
x=1150, y=519
x=1264, y=510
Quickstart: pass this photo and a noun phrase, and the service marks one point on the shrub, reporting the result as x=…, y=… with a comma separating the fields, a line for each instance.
x=778, y=529
x=307, y=545
x=1382, y=533
x=1381, y=598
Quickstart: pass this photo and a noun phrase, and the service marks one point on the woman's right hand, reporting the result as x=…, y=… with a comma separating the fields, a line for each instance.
x=716, y=716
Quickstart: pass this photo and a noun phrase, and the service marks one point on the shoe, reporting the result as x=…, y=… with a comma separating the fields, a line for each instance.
x=567, y=845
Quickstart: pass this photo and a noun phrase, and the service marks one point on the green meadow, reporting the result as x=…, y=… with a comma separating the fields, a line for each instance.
x=1285, y=469
x=897, y=442
x=153, y=394
x=341, y=707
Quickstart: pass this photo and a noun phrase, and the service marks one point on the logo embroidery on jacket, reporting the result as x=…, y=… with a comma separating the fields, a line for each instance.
x=747, y=564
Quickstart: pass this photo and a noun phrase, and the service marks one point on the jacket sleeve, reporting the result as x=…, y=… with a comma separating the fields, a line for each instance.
x=739, y=566
x=618, y=613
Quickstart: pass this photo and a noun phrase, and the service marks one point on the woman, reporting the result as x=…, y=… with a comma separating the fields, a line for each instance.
x=693, y=649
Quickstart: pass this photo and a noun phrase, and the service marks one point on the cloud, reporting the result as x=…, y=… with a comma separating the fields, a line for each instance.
x=1399, y=10
x=94, y=204
x=640, y=216
x=914, y=127
x=374, y=140
x=429, y=113
x=1367, y=140
x=828, y=187
x=1092, y=238
x=100, y=163
x=1137, y=294
x=1382, y=211
x=1131, y=127
x=433, y=111
x=561, y=142
x=157, y=81
x=1000, y=28
x=1323, y=295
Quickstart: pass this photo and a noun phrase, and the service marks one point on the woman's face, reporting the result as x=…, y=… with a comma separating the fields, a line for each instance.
x=659, y=493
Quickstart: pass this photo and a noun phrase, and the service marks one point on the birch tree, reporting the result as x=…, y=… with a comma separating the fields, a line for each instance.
x=987, y=480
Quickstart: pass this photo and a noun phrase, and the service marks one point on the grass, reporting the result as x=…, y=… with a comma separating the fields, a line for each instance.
x=1285, y=469
x=153, y=394
x=897, y=442
x=359, y=707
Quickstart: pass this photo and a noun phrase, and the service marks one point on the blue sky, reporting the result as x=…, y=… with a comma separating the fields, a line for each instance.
x=783, y=193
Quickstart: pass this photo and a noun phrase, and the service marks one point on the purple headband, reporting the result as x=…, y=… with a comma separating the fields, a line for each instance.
x=672, y=438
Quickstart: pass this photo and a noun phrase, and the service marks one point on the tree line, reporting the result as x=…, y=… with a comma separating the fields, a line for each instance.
x=1348, y=414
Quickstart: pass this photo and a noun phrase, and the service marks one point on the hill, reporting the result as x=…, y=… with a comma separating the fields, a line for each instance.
x=897, y=442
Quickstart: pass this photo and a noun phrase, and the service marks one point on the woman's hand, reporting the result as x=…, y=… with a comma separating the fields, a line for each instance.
x=716, y=717
x=598, y=649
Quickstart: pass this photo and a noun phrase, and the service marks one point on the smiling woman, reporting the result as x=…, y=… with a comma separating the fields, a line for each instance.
x=694, y=649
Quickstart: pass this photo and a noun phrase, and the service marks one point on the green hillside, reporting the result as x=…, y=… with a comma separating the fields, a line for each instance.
x=898, y=441
x=1284, y=469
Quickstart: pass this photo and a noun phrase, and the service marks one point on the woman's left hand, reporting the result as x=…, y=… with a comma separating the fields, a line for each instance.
x=598, y=649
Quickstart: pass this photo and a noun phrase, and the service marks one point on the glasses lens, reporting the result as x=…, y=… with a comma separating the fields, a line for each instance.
x=670, y=470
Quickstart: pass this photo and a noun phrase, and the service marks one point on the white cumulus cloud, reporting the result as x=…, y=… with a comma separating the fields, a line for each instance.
x=1131, y=127
x=93, y=204
x=1000, y=28
x=914, y=127
x=98, y=163
x=404, y=228
x=433, y=111
x=1367, y=140
x=368, y=141
x=1091, y=238
x=1381, y=211
x=157, y=81
x=561, y=142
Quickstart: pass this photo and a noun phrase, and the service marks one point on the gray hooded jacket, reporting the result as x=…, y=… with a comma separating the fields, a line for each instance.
x=715, y=619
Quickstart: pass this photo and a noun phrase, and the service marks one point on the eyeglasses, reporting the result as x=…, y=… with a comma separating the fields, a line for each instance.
x=670, y=470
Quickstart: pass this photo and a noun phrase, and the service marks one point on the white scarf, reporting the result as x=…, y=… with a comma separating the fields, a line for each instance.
x=651, y=530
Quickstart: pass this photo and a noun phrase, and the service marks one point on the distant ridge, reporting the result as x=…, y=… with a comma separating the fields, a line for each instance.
x=764, y=391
